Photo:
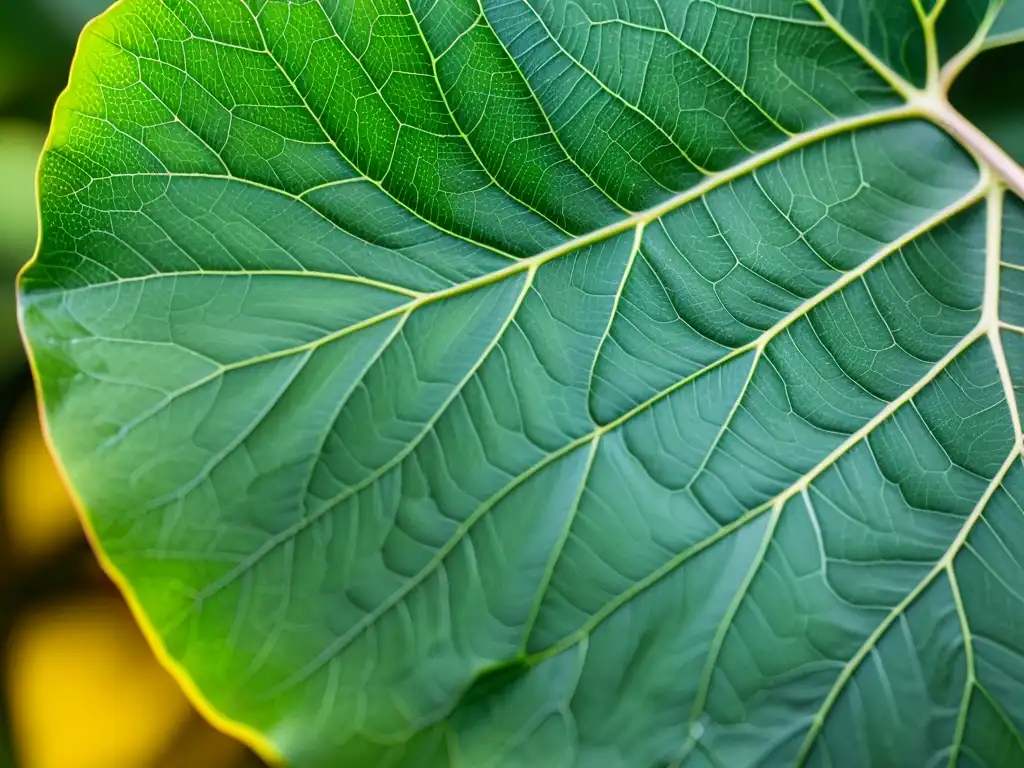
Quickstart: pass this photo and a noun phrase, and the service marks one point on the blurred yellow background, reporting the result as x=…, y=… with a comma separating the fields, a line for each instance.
x=79, y=687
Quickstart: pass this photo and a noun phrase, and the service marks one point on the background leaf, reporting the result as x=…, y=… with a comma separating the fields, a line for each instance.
x=20, y=144
x=1009, y=24
x=986, y=92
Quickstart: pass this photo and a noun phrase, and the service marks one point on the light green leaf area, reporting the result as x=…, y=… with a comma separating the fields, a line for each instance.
x=1008, y=28
x=544, y=383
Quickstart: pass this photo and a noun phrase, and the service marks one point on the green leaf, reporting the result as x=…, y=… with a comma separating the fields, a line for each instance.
x=20, y=144
x=1008, y=26
x=986, y=94
x=546, y=383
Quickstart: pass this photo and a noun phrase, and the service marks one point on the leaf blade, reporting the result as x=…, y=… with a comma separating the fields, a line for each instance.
x=479, y=463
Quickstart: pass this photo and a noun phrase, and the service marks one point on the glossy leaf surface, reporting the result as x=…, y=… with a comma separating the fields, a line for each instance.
x=546, y=383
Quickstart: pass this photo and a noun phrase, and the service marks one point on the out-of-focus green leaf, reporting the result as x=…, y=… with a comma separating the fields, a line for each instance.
x=70, y=15
x=20, y=144
x=36, y=42
x=12, y=356
x=549, y=383
x=11, y=73
x=990, y=92
x=1009, y=25
x=6, y=750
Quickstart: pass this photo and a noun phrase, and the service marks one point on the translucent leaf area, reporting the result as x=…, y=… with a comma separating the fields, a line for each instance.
x=549, y=383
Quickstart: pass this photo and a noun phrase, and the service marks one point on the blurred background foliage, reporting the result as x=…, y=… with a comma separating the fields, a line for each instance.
x=79, y=687
x=991, y=93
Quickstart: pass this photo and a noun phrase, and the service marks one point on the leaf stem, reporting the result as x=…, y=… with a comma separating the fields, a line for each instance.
x=1002, y=40
x=989, y=154
x=952, y=68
